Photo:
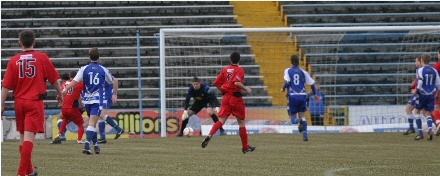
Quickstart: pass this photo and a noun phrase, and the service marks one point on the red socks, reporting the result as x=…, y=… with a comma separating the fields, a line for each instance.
x=63, y=126
x=244, y=138
x=217, y=125
x=80, y=132
x=26, y=158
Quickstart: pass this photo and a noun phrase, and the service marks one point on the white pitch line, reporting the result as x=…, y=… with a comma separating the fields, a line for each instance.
x=334, y=171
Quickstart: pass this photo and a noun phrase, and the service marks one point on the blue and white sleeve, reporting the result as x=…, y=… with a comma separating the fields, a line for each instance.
x=419, y=73
x=286, y=78
x=286, y=75
x=309, y=79
x=108, y=76
x=80, y=74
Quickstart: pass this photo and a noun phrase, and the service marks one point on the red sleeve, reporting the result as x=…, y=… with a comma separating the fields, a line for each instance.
x=81, y=86
x=414, y=83
x=8, y=80
x=220, y=80
x=239, y=76
x=78, y=88
x=50, y=73
x=63, y=85
x=437, y=66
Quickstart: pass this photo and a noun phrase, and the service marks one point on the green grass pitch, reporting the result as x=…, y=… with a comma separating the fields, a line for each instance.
x=276, y=154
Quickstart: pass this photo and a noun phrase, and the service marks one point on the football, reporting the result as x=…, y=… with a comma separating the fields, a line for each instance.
x=188, y=131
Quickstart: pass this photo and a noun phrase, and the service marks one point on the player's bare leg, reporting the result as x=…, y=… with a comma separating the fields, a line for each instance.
x=409, y=109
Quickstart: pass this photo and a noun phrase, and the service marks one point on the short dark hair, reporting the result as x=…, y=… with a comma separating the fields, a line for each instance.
x=94, y=54
x=196, y=79
x=27, y=38
x=65, y=77
x=294, y=60
x=72, y=74
x=234, y=57
x=426, y=58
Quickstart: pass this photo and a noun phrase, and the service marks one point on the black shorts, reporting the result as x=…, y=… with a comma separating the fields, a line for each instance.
x=198, y=105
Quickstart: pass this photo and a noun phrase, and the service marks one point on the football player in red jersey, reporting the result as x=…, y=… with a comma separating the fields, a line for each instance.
x=26, y=75
x=64, y=78
x=231, y=82
x=436, y=114
x=71, y=109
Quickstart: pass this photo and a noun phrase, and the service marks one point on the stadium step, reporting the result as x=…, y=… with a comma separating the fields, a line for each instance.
x=265, y=13
x=255, y=7
x=272, y=50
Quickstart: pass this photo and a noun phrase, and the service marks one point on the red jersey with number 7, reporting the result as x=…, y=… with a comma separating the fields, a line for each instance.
x=227, y=78
x=27, y=73
x=72, y=95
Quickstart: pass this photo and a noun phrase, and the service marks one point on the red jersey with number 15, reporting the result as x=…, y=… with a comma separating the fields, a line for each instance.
x=27, y=73
x=227, y=78
x=72, y=95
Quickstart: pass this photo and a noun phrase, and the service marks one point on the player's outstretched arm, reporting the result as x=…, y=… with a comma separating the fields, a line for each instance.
x=314, y=92
x=115, y=90
x=69, y=86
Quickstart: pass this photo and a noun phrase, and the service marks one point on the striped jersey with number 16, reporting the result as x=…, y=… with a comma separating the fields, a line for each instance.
x=94, y=77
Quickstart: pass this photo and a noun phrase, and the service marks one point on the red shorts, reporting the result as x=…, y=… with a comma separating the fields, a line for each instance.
x=73, y=114
x=437, y=102
x=29, y=115
x=232, y=105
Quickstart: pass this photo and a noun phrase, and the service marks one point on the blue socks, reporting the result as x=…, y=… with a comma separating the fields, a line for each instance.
x=90, y=132
x=112, y=123
x=102, y=130
x=294, y=120
x=95, y=138
x=419, y=125
x=304, y=124
x=411, y=122
x=429, y=121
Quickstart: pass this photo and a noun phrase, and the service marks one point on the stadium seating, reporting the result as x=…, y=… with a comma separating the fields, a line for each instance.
x=346, y=58
x=66, y=30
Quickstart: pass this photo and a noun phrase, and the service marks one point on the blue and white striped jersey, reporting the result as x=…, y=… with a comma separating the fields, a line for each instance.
x=296, y=78
x=429, y=81
x=94, y=77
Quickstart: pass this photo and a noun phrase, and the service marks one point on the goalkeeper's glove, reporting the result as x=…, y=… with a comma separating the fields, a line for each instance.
x=217, y=109
x=185, y=115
